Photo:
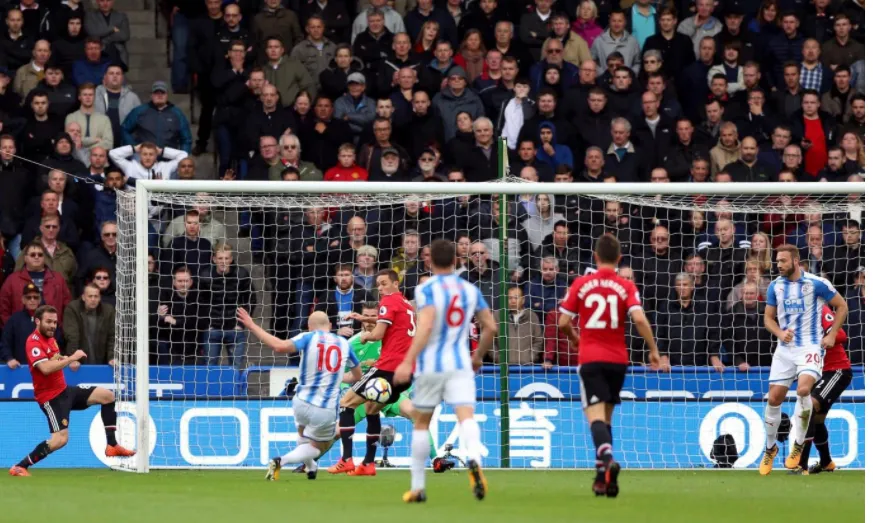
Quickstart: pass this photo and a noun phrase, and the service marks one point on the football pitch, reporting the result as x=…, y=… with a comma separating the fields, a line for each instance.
x=96, y=496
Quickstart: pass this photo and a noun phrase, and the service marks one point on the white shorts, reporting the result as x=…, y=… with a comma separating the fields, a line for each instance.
x=788, y=364
x=318, y=424
x=457, y=388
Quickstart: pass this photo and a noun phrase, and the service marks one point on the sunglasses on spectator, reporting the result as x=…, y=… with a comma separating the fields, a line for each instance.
x=32, y=297
x=36, y=255
x=110, y=234
x=51, y=226
x=553, y=51
x=289, y=147
x=101, y=277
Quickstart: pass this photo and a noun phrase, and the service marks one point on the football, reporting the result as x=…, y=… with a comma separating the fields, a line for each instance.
x=378, y=390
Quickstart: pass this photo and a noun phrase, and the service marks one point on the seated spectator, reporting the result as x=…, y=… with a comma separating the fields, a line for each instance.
x=457, y=98
x=355, y=106
x=181, y=318
x=853, y=145
x=79, y=153
x=616, y=39
x=105, y=200
x=341, y=301
x=564, y=247
x=622, y=158
x=63, y=158
x=19, y=327
x=324, y=135
x=842, y=262
x=366, y=267
x=558, y=349
x=483, y=273
x=371, y=152
x=524, y=331
x=224, y=287
x=727, y=150
x=392, y=19
x=746, y=341
x=754, y=273
x=346, y=169
x=96, y=128
x=289, y=156
x=211, y=228
x=103, y=256
x=111, y=27
x=92, y=68
x=52, y=286
x=685, y=332
x=116, y=100
x=159, y=122
x=40, y=129
x=190, y=250
x=407, y=257
x=89, y=325
x=61, y=93
x=542, y=222
x=102, y=279
x=29, y=75
x=550, y=150
x=658, y=262
x=59, y=257
x=49, y=205
x=547, y=287
x=148, y=167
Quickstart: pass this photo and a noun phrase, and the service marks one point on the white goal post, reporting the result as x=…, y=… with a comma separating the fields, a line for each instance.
x=168, y=426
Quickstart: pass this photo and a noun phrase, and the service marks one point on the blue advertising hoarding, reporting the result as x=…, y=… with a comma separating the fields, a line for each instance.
x=543, y=433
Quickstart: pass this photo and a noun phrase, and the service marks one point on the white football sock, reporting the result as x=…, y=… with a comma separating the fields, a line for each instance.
x=420, y=454
x=301, y=454
x=772, y=419
x=311, y=465
x=472, y=442
x=802, y=415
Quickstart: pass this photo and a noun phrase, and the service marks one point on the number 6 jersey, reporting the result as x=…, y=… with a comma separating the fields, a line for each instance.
x=324, y=358
x=602, y=300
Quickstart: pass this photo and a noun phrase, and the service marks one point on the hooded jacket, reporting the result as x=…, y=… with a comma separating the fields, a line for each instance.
x=101, y=350
x=627, y=45
x=126, y=103
x=563, y=154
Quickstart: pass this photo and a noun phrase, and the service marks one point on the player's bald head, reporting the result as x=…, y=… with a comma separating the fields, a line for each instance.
x=319, y=321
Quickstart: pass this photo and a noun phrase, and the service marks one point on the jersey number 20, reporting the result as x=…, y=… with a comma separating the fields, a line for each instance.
x=600, y=302
x=328, y=358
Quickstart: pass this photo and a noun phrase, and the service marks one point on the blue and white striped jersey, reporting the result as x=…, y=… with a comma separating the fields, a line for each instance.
x=456, y=302
x=323, y=359
x=798, y=306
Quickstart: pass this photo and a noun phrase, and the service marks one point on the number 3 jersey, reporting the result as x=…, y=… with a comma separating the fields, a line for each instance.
x=456, y=302
x=602, y=300
x=324, y=358
x=398, y=314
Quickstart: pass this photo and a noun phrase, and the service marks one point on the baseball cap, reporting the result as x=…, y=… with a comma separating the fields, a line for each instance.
x=356, y=78
x=161, y=86
x=390, y=150
x=457, y=70
x=30, y=288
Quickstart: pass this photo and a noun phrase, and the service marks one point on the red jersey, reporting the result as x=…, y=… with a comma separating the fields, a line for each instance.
x=45, y=387
x=399, y=314
x=355, y=173
x=602, y=300
x=835, y=357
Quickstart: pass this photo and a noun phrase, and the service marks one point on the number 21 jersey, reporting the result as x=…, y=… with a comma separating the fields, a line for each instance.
x=602, y=300
x=398, y=314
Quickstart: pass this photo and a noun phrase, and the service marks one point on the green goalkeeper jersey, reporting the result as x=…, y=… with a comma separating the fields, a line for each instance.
x=365, y=351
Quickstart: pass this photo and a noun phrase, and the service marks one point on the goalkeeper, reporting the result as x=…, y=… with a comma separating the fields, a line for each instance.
x=367, y=353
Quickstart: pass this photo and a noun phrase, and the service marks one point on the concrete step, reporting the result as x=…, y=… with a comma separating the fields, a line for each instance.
x=148, y=61
x=147, y=74
x=147, y=44
x=146, y=29
x=141, y=17
x=127, y=6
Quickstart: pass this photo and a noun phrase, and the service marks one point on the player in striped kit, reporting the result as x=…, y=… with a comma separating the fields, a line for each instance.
x=836, y=376
x=444, y=369
x=793, y=314
x=324, y=358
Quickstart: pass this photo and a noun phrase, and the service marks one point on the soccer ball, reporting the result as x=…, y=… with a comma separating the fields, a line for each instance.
x=378, y=390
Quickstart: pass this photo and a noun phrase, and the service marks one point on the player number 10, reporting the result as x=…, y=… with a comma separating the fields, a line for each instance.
x=328, y=358
x=596, y=321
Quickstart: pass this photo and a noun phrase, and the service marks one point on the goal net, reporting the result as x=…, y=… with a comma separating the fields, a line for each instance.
x=198, y=391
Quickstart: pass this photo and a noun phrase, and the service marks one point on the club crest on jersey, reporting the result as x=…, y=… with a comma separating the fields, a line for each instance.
x=806, y=288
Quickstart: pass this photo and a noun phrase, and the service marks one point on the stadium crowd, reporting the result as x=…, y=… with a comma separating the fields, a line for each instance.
x=594, y=91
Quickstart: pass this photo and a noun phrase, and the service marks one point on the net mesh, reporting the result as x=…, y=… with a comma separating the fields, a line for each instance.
x=220, y=398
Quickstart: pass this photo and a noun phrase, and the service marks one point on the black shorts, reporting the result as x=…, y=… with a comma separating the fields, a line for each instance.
x=601, y=383
x=373, y=373
x=57, y=410
x=829, y=388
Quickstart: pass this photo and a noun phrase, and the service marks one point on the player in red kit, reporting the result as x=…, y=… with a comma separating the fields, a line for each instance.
x=836, y=376
x=54, y=397
x=602, y=300
x=395, y=327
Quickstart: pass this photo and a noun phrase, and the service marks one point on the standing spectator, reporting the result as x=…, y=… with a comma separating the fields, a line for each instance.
x=224, y=287
x=232, y=31
x=17, y=46
x=69, y=46
x=388, y=72
x=843, y=261
x=41, y=128
x=641, y=20
x=19, y=327
x=841, y=96
x=275, y=21
x=58, y=256
x=344, y=299
x=576, y=49
x=355, y=107
x=96, y=127
x=106, y=200
x=115, y=100
x=62, y=94
x=323, y=136
x=426, y=129
x=315, y=52
x=524, y=331
x=180, y=321
x=746, y=342
x=842, y=49
x=102, y=256
x=29, y=75
x=159, y=122
x=726, y=258
x=855, y=324
x=289, y=77
x=553, y=58
x=92, y=67
x=200, y=62
x=49, y=205
x=332, y=80
x=622, y=159
x=511, y=47
x=51, y=285
x=546, y=287
x=657, y=264
x=36, y=17
x=190, y=249
x=270, y=119
x=784, y=47
x=211, y=228
x=542, y=222
x=289, y=156
x=702, y=24
x=111, y=27
x=393, y=21
x=534, y=27
x=371, y=154
x=426, y=11
x=485, y=18
x=685, y=332
x=17, y=185
x=747, y=168
x=813, y=74
x=483, y=273
x=814, y=130
x=335, y=15
x=89, y=325
x=586, y=24
x=457, y=98
x=727, y=150
x=514, y=112
x=617, y=40
x=559, y=350
x=374, y=44
x=148, y=167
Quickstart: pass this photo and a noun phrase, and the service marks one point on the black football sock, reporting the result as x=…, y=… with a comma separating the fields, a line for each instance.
x=374, y=429
x=39, y=453
x=807, y=447
x=602, y=440
x=347, y=430
x=821, y=444
x=107, y=412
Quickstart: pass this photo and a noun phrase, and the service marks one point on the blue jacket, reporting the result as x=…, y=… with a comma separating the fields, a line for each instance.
x=15, y=333
x=167, y=127
x=104, y=206
x=783, y=50
x=544, y=298
x=563, y=154
x=569, y=75
x=85, y=71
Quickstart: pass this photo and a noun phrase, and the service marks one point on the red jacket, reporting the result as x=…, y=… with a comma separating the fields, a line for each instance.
x=355, y=173
x=558, y=349
x=54, y=292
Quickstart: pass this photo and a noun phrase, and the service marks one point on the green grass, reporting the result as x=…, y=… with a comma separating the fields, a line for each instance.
x=96, y=496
